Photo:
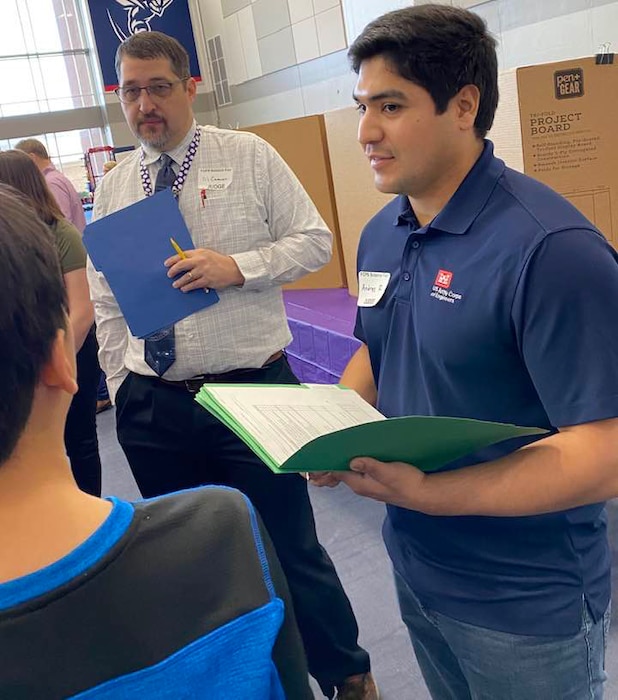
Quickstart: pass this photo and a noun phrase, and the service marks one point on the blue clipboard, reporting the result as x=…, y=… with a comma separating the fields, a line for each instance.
x=129, y=248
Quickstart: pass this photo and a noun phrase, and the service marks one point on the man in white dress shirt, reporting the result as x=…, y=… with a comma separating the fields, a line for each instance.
x=254, y=229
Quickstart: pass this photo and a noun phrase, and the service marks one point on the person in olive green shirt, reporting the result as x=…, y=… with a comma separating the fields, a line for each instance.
x=19, y=171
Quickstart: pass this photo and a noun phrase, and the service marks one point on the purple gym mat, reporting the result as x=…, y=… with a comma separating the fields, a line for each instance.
x=322, y=323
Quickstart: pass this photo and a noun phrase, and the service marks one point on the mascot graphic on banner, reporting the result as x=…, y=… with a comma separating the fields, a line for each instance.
x=139, y=15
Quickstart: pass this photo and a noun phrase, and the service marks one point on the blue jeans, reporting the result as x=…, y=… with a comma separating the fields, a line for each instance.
x=460, y=661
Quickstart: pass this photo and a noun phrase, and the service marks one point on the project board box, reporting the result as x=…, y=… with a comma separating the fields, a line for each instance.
x=569, y=135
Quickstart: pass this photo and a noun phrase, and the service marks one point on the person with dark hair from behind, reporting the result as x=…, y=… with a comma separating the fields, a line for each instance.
x=59, y=184
x=82, y=445
x=499, y=303
x=180, y=596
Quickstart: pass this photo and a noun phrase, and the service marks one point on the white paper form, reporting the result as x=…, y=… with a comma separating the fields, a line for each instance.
x=284, y=419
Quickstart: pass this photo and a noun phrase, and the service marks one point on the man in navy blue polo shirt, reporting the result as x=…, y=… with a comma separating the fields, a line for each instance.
x=492, y=298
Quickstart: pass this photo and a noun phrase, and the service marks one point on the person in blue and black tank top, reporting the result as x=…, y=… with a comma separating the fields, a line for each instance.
x=496, y=300
x=180, y=596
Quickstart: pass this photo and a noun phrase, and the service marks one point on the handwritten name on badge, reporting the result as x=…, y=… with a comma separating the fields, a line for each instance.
x=214, y=181
x=371, y=287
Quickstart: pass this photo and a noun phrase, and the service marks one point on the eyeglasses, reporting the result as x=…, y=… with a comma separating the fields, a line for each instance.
x=160, y=90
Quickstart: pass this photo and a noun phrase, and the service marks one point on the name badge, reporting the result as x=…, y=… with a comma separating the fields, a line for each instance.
x=371, y=287
x=215, y=180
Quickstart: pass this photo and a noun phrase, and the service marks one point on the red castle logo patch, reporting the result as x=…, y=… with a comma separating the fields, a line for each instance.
x=444, y=279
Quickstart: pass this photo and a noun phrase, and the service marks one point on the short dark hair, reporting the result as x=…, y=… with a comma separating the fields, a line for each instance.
x=33, y=146
x=18, y=170
x=33, y=307
x=151, y=45
x=441, y=49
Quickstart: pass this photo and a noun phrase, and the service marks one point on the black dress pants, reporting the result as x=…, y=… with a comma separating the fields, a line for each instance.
x=172, y=443
x=80, y=433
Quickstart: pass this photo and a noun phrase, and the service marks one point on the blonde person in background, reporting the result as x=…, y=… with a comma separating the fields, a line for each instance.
x=108, y=166
x=19, y=171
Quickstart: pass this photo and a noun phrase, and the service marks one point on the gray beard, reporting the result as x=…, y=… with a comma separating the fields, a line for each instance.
x=157, y=142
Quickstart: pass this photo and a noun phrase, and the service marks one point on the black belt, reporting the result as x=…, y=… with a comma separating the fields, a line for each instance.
x=194, y=384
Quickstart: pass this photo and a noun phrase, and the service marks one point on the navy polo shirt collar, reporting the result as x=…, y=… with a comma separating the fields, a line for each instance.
x=468, y=201
x=405, y=213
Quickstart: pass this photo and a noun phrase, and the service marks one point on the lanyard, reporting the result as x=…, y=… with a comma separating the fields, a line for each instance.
x=182, y=173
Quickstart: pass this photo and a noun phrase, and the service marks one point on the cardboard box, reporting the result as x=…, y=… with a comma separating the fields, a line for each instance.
x=570, y=136
x=302, y=144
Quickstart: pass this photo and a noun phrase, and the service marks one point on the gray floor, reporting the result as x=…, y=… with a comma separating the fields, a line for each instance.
x=349, y=528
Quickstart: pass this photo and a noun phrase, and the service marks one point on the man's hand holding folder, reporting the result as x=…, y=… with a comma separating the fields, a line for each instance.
x=130, y=248
x=201, y=268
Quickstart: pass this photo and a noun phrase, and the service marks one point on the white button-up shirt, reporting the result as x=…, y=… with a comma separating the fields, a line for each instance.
x=264, y=219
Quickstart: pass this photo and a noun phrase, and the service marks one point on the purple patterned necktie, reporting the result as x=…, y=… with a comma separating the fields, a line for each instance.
x=160, y=347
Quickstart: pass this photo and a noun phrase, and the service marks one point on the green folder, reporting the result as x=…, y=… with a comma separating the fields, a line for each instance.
x=427, y=442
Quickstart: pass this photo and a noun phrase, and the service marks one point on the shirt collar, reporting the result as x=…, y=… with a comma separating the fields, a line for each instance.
x=50, y=168
x=469, y=199
x=471, y=196
x=177, y=154
x=405, y=213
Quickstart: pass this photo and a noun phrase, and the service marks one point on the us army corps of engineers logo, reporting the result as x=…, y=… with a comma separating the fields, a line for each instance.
x=441, y=288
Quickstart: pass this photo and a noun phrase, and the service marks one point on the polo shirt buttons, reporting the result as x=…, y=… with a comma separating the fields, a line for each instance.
x=416, y=244
x=406, y=276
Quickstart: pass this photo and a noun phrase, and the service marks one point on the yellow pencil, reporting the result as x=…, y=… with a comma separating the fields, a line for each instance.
x=178, y=249
x=183, y=255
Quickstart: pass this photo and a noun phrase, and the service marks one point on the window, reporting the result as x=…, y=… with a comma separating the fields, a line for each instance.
x=219, y=73
x=45, y=68
x=44, y=60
